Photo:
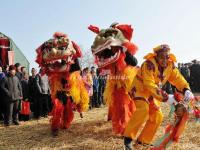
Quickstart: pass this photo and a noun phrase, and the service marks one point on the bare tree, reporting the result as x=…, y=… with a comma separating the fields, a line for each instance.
x=87, y=59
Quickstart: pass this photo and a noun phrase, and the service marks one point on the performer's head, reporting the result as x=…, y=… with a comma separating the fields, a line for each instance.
x=162, y=54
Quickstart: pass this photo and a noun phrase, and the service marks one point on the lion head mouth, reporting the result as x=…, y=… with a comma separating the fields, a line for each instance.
x=108, y=56
x=107, y=47
x=57, y=54
x=59, y=65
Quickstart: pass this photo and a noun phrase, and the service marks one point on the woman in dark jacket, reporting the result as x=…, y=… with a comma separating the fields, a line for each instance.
x=25, y=92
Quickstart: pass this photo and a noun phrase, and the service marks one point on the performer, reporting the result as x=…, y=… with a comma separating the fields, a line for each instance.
x=113, y=51
x=147, y=93
x=58, y=58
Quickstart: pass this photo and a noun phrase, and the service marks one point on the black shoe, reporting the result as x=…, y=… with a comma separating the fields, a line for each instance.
x=54, y=132
x=81, y=115
x=36, y=117
x=6, y=124
x=143, y=144
x=128, y=143
x=16, y=123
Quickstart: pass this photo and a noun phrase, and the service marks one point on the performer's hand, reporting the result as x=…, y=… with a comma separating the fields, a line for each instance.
x=188, y=96
x=165, y=96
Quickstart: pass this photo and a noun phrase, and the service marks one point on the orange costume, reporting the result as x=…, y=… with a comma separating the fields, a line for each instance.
x=58, y=58
x=121, y=106
x=114, y=51
x=147, y=94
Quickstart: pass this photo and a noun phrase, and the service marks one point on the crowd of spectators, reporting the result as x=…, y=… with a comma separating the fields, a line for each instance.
x=18, y=87
x=191, y=72
x=95, y=84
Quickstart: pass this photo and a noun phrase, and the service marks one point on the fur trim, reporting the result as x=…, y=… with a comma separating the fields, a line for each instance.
x=59, y=34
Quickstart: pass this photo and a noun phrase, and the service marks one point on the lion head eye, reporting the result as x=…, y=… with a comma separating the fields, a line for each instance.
x=61, y=48
x=111, y=33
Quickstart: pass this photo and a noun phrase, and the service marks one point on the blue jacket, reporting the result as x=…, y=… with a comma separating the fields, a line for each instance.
x=2, y=75
x=96, y=82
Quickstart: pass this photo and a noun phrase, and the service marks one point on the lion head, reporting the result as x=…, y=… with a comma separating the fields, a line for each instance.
x=58, y=54
x=111, y=45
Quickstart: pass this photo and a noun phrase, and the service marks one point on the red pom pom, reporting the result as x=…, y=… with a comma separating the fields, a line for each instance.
x=132, y=48
x=127, y=30
x=94, y=29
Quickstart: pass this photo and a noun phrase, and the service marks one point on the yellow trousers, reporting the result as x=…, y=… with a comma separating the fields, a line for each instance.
x=143, y=113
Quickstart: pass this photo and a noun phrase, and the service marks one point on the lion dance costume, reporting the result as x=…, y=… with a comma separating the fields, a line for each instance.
x=147, y=93
x=113, y=51
x=58, y=58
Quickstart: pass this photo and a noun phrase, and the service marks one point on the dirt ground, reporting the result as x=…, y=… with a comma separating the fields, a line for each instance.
x=92, y=132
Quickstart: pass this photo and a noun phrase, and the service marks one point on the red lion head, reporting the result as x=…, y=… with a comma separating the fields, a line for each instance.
x=111, y=45
x=57, y=54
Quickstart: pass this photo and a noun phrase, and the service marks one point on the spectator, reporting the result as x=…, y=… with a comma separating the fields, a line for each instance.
x=42, y=106
x=2, y=75
x=20, y=76
x=6, y=69
x=195, y=76
x=23, y=71
x=12, y=90
x=25, y=92
x=87, y=79
x=179, y=66
x=18, y=71
x=102, y=84
x=33, y=93
x=95, y=102
x=185, y=71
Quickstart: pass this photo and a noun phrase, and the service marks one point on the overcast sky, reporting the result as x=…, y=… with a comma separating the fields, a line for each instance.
x=174, y=22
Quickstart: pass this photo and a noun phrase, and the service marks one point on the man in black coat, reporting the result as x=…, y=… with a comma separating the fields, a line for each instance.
x=33, y=90
x=195, y=76
x=12, y=93
x=18, y=71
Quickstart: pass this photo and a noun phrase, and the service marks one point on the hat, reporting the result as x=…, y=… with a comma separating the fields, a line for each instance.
x=162, y=47
x=159, y=48
x=17, y=65
x=12, y=67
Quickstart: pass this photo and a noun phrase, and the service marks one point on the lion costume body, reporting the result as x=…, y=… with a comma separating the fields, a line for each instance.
x=58, y=58
x=113, y=50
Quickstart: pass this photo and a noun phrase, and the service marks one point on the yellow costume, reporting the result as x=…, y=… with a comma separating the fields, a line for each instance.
x=113, y=51
x=58, y=58
x=146, y=85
